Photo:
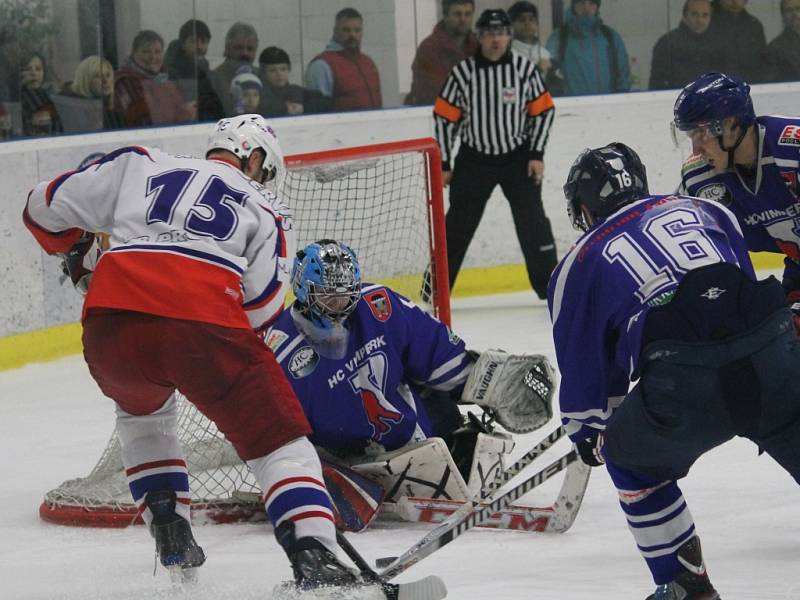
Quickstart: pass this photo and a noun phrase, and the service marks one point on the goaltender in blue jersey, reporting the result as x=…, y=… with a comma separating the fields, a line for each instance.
x=377, y=376
x=660, y=291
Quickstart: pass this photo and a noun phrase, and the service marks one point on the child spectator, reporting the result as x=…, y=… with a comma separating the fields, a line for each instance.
x=246, y=93
x=525, y=23
x=142, y=93
x=280, y=96
x=39, y=114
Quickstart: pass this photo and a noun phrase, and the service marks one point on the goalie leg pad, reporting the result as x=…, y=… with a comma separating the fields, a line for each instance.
x=518, y=388
x=425, y=469
x=356, y=498
x=488, y=461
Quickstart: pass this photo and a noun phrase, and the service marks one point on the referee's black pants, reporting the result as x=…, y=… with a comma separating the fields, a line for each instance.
x=475, y=176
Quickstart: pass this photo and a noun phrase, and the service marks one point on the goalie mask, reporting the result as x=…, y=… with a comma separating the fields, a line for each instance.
x=326, y=281
x=242, y=135
x=601, y=181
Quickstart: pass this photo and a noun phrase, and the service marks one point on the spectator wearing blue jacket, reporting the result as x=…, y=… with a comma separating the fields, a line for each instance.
x=590, y=56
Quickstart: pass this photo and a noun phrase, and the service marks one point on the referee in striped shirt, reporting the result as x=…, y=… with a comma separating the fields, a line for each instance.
x=497, y=103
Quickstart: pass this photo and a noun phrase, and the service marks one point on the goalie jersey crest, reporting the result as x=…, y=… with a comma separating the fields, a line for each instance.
x=371, y=394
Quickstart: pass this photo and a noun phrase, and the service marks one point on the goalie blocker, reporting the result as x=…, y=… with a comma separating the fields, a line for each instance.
x=516, y=388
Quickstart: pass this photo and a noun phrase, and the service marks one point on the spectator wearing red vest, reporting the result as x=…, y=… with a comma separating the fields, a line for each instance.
x=342, y=71
x=451, y=42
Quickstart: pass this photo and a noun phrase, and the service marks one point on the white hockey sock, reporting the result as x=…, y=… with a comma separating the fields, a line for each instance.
x=152, y=456
x=291, y=478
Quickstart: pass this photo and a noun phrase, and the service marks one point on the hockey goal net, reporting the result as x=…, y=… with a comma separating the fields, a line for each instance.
x=384, y=201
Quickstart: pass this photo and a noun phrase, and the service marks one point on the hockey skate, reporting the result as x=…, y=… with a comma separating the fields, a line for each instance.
x=313, y=565
x=176, y=547
x=692, y=584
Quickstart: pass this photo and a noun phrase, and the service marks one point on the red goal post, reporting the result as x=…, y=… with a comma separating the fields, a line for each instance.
x=383, y=200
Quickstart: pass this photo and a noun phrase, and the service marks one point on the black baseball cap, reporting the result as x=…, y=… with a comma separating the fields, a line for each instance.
x=493, y=18
x=522, y=7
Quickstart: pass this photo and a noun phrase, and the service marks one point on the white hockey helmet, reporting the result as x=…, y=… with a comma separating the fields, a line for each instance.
x=243, y=134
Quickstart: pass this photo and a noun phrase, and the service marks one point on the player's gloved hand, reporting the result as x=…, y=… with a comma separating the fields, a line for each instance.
x=591, y=449
x=793, y=300
x=72, y=263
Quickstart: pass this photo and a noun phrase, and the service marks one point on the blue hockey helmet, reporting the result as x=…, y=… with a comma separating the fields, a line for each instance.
x=708, y=101
x=326, y=280
x=603, y=180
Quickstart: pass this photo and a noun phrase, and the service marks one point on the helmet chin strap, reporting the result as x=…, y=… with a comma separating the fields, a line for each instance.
x=732, y=150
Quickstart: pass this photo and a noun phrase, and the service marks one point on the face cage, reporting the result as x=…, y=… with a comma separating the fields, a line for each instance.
x=576, y=216
x=317, y=299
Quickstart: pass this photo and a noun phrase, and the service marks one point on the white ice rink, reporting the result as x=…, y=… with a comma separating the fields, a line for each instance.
x=54, y=423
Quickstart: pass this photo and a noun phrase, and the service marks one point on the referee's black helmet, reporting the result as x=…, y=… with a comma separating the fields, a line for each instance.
x=493, y=19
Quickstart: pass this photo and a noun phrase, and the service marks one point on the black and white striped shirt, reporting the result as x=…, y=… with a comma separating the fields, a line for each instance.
x=495, y=107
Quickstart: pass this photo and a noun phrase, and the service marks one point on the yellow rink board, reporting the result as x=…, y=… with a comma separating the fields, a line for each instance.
x=63, y=340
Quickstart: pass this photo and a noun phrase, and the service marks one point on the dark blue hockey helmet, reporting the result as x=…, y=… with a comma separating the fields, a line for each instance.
x=603, y=180
x=326, y=280
x=708, y=101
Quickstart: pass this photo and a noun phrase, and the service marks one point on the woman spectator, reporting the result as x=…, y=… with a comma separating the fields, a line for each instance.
x=94, y=81
x=142, y=93
x=39, y=114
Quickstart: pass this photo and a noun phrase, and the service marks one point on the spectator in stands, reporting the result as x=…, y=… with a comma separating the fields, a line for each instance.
x=241, y=43
x=281, y=97
x=688, y=51
x=342, y=71
x=9, y=65
x=39, y=114
x=525, y=24
x=93, y=81
x=742, y=35
x=187, y=66
x=451, y=42
x=591, y=57
x=783, y=53
x=142, y=93
x=246, y=93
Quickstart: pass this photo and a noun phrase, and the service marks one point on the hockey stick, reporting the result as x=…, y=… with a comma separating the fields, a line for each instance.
x=427, y=588
x=555, y=518
x=470, y=515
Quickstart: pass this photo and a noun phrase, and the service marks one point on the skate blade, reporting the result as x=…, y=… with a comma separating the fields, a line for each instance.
x=289, y=591
x=182, y=577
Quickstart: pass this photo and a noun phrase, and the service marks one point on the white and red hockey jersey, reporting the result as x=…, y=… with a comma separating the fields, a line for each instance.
x=190, y=238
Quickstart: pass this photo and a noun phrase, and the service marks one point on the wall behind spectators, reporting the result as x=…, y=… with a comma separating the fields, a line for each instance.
x=32, y=297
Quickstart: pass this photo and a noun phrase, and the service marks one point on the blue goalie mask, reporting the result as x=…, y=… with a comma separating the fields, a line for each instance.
x=326, y=281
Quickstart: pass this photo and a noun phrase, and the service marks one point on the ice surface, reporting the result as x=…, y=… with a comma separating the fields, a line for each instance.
x=54, y=423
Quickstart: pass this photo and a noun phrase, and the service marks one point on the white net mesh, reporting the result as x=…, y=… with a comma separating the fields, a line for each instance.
x=379, y=207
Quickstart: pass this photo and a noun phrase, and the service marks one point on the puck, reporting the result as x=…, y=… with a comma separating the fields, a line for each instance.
x=384, y=561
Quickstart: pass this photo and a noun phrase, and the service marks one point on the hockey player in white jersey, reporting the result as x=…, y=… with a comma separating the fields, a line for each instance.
x=196, y=264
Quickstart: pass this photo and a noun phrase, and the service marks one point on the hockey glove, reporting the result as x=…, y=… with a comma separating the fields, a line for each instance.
x=72, y=264
x=516, y=388
x=590, y=449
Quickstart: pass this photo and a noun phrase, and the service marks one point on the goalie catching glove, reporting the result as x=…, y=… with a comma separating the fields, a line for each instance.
x=516, y=388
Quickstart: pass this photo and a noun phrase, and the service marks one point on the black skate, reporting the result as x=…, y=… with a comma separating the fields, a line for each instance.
x=692, y=584
x=313, y=564
x=176, y=547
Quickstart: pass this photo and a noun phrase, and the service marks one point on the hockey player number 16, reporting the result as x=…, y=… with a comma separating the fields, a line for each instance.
x=678, y=236
x=211, y=215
